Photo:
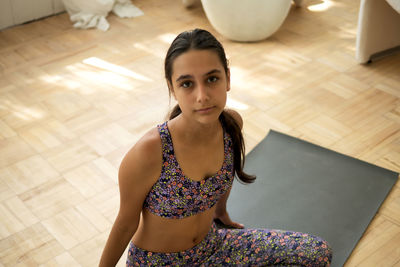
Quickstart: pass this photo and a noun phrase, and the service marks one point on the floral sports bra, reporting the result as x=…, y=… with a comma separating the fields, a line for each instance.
x=175, y=195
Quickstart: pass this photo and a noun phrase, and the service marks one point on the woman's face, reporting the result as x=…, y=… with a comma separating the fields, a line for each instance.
x=199, y=84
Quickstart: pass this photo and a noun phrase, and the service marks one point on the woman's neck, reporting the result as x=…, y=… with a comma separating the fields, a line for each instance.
x=192, y=131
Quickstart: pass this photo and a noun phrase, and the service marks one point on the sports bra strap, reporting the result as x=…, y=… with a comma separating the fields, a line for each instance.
x=166, y=141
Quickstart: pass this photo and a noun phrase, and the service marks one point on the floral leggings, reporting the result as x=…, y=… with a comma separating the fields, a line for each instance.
x=242, y=247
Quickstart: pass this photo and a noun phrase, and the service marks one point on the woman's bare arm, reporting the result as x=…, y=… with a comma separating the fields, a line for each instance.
x=138, y=172
x=222, y=214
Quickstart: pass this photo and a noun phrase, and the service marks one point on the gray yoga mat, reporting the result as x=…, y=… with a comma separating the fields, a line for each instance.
x=306, y=188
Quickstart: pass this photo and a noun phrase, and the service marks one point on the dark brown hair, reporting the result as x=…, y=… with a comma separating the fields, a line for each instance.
x=203, y=40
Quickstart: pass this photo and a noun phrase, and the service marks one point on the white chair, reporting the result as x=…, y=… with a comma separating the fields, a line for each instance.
x=378, y=32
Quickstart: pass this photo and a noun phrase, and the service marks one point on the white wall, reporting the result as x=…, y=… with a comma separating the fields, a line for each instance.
x=14, y=12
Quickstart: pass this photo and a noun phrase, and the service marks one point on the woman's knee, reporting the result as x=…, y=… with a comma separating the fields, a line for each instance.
x=320, y=251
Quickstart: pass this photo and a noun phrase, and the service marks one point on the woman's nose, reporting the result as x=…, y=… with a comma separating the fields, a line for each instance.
x=202, y=94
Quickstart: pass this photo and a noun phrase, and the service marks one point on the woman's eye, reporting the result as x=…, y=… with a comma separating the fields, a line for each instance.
x=212, y=79
x=186, y=84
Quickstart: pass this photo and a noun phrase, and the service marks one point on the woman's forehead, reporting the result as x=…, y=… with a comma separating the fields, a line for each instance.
x=196, y=61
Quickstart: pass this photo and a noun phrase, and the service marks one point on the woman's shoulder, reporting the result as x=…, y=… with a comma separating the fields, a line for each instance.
x=149, y=142
x=139, y=170
x=145, y=157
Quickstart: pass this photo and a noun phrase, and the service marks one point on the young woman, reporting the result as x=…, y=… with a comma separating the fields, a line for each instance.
x=176, y=180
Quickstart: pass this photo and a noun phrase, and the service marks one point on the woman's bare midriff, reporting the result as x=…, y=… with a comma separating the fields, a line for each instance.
x=158, y=234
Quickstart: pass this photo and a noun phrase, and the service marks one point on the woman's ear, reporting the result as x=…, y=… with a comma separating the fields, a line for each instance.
x=171, y=89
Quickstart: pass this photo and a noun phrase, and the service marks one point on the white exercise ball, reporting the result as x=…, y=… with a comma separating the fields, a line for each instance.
x=246, y=20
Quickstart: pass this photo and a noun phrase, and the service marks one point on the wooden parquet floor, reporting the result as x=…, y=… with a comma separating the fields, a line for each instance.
x=72, y=102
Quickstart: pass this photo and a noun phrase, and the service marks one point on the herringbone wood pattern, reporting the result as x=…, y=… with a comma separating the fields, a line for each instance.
x=72, y=102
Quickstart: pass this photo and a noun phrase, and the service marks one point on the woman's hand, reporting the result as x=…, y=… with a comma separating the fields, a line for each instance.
x=224, y=219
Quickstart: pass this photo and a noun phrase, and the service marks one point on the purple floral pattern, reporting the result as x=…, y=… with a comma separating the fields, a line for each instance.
x=175, y=195
x=242, y=247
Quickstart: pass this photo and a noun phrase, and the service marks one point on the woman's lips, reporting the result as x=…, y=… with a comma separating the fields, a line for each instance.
x=205, y=110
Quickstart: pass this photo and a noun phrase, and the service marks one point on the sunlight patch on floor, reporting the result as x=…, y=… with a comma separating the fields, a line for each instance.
x=27, y=114
x=102, y=64
x=325, y=5
x=51, y=79
x=238, y=76
x=235, y=104
x=167, y=38
x=99, y=79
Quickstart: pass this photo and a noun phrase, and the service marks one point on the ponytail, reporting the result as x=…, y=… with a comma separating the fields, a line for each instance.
x=175, y=112
x=233, y=129
x=230, y=125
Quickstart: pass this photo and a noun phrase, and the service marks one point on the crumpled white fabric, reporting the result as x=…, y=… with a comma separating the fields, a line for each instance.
x=92, y=13
x=395, y=4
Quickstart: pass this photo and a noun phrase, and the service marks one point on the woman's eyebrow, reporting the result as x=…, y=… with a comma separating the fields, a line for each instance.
x=212, y=71
x=183, y=77
x=188, y=76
